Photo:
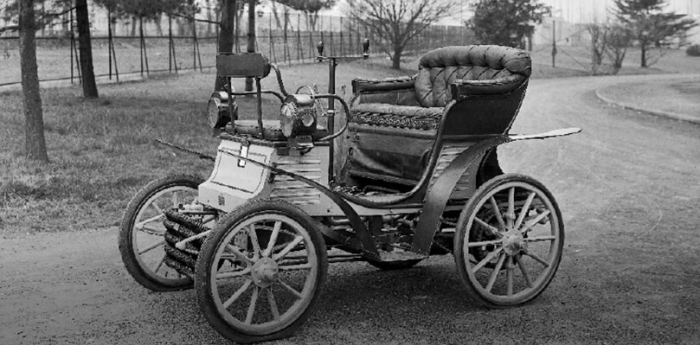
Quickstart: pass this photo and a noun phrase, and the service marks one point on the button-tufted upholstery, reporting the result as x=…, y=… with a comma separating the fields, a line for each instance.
x=497, y=68
x=394, y=121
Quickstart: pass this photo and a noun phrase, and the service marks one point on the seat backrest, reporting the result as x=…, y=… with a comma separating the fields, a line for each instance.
x=441, y=67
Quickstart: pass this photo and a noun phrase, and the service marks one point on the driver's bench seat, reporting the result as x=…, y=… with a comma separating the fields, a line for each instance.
x=394, y=122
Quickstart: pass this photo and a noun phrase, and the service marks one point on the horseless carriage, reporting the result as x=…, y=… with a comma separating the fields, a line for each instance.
x=419, y=177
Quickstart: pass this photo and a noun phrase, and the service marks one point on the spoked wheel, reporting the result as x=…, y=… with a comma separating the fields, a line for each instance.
x=260, y=272
x=141, y=237
x=509, y=241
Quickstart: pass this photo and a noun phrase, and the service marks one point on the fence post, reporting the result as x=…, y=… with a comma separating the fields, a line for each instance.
x=109, y=40
x=300, y=49
x=285, y=52
x=72, y=43
x=342, y=42
x=144, y=53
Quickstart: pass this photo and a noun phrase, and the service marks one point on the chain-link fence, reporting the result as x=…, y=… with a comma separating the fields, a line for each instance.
x=171, y=44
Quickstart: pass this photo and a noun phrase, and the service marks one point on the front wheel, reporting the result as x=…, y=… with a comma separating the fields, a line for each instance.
x=260, y=272
x=509, y=241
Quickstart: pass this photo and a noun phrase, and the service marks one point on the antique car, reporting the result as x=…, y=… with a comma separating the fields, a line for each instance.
x=418, y=175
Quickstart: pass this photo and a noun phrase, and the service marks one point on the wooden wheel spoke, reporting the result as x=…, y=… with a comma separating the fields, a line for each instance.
x=273, y=305
x=488, y=226
x=160, y=263
x=294, y=292
x=158, y=209
x=497, y=212
x=141, y=225
x=540, y=238
x=525, y=210
x=174, y=199
x=238, y=254
x=510, y=214
x=251, y=308
x=485, y=243
x=233, y=274
x=536, y=258
x=288, y=248
x=238, y=293
x=526, y=276
x=254, y=238
x=152, y=231
x=273, y=239
x=495, y=272
x=488, y=258
x=151, y=247
x=509, y=276
x=528, y=226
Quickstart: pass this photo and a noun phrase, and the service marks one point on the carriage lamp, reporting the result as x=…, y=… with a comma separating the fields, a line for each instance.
x=219, y=112
x=298, y=116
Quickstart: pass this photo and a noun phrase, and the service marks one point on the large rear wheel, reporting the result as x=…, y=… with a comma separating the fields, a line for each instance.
x=509, y=241
x=260, y=271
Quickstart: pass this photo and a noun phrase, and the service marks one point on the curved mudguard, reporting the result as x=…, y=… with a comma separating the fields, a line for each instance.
x=467, y=162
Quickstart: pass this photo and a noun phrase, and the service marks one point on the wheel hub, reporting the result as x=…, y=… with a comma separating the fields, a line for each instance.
x=265, y=272
x=514, y=243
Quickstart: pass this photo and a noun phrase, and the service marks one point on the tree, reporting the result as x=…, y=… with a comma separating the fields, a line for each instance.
x=392, y=25
x=35, y=143
x=618, y=39
x=85, y=49
x=649, y=25
x=506, y=22
x=598, y=45
x=310, y=9
x=228, y=11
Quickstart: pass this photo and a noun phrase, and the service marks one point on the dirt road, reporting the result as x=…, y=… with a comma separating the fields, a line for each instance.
x=628, y=187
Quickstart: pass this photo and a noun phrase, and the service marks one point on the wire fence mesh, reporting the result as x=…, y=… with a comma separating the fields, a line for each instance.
x=129, y=45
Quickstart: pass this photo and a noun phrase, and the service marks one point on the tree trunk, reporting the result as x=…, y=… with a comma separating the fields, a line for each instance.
x=228, y=14
x=644, y=55
x=35, y=143
x=396, y=58
x=85, y=49
x=251, y=38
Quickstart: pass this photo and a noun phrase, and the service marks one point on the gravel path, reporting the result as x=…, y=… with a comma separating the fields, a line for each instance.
x=627, y=187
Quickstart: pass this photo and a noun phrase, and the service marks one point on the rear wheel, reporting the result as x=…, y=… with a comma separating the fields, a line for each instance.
x=509, y=241
x=260, y=271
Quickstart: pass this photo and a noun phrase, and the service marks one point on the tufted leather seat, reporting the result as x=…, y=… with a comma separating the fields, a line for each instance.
x=403, y=115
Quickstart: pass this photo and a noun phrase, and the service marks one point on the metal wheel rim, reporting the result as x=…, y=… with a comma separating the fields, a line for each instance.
x=246, y=275
x=153, y=269
x=515, y=259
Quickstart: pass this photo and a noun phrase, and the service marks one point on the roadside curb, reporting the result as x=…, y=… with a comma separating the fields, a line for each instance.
x=666, y=114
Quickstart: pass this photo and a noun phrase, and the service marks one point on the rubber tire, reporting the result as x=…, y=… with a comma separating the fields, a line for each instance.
x=209, y=249
x=394, y=265
x=461, y=232
x=126, y=232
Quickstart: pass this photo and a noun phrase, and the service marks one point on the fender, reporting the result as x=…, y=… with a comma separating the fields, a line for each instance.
x=369, y=248
x=467, y=162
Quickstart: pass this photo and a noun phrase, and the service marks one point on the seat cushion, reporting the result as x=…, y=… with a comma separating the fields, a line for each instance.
x=272, y=129
x=401, y=116
x=492, y=64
